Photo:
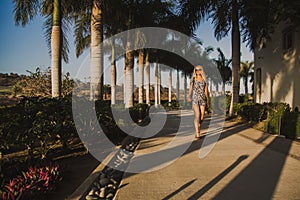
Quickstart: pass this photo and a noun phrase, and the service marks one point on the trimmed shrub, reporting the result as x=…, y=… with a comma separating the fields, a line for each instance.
x=251, y=111
x=174, y=105
x=276, y=112
x=291, y=125
x=272, y=114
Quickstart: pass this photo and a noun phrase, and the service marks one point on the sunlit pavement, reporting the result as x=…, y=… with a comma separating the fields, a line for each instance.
x=243, y=164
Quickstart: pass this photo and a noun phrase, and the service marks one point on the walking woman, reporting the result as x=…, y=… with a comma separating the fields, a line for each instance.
x=199, y=96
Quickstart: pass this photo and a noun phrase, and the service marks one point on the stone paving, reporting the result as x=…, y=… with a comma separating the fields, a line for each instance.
x=244, y=164
x=232, y=161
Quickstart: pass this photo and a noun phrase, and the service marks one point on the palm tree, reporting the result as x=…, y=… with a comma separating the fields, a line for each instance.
x=225, y=16
x=96, y=57
x=177, y=85
x=113, y=74
x=170, y=86
x=245, y=72
x=129, y=59
x=89, y=33
x=56, y=49
x=223, y=65
x=156, y=84
x=115, y=21
x=139, y=14
x=147, y=78
x=260, y=26
x=56, y=13
x=159, y=85
x=141, y=75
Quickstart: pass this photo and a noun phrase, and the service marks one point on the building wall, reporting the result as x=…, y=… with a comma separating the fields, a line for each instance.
x=279, y=70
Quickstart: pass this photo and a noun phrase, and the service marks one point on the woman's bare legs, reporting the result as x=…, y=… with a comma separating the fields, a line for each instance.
x=202, y=112
x=197, y=118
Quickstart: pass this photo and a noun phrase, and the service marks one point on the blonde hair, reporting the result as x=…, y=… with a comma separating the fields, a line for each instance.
x=201, y=72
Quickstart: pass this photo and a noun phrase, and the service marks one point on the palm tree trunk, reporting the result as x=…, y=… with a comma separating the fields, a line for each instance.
x=177, y=86
x=185, y=88
x=113, y=74
x=235, y=57
x=223, y=88
x=141, y=76
x=170, y=85
x=147, y=79
x=129, y=62
x=96, y=91
x=159, y=85
x=246, y=86
x=124, y=84
x=156, y=85
x=56, y=42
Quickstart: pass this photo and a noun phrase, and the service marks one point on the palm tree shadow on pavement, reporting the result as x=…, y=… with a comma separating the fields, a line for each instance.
x=179, y=189
x=213, y=182
x=259, y=179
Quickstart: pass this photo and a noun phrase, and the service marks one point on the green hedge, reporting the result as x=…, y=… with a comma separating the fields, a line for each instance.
x=251, y=111
x=291, y=125
x=272, y=114
x=36, y=123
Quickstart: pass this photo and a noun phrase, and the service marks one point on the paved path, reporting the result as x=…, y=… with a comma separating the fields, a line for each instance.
x=243, y=164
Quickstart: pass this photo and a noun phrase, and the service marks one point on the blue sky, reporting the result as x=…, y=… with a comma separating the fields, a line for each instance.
x=24, y=48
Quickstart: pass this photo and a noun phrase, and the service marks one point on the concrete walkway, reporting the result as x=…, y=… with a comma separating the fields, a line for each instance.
x=243, y=164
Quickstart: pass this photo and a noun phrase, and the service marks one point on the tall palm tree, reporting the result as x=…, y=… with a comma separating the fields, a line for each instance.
x=177, y=85
x=170, y=86
x=226, y=16
x=113, y=74
x=129, y=58
x=147, y=78
x=141, y=75
x=245, y=73
x=56, y=14
x=184, y=87
x=114, y=20
x=139, y=14
x=89, y=33
x=156, y=92
x=96, y=53
x=56, y=49
x=223, y=65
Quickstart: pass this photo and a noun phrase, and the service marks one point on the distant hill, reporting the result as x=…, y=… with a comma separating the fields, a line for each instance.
x=9, y=79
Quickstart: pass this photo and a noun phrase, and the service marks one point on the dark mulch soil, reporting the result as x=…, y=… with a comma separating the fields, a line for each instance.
x=75, y=170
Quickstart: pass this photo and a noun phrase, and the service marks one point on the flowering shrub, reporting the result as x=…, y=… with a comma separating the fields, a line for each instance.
x=35, y=181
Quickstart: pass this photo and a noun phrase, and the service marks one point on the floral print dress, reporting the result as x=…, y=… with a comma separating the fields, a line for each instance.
x=198, y=97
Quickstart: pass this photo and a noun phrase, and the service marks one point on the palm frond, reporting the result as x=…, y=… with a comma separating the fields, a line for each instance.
x=25, y=10
x=82, y=32
x=66, y=23
x=221, y=19
x=47, y=28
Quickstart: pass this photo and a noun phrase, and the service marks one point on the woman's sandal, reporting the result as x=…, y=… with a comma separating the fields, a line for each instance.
x=198, y=137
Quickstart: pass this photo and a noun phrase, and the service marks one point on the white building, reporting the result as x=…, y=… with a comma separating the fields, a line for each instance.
x=277, y=68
